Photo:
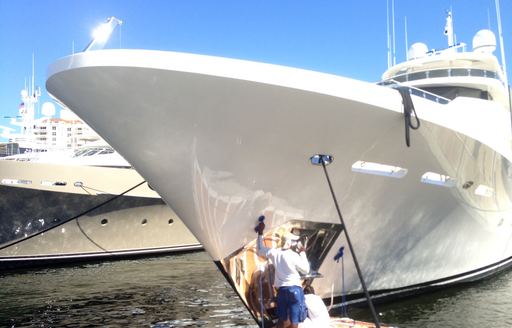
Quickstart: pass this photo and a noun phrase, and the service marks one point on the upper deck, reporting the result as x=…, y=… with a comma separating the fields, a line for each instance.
x=450, y=74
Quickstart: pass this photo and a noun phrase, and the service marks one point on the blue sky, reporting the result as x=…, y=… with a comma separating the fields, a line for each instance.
x=343, y=37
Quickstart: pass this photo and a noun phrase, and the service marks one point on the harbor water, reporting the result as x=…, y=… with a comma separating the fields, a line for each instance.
x=187, y=290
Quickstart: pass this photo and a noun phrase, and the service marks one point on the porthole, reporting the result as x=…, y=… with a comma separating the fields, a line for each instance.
x=104, y=222
x=171, y=221
x=467, y=184
x=144, y=222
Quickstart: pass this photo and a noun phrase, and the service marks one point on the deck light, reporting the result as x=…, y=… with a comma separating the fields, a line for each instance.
x=102, y=33
x=317, y=159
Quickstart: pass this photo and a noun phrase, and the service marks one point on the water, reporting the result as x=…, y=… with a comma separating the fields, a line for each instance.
x=172, y=291
x=485, y=304
x=188, y=291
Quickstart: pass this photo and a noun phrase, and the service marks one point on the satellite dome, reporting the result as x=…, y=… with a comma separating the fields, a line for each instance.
x=484, y=41
x=48, y=109
x=418, y=50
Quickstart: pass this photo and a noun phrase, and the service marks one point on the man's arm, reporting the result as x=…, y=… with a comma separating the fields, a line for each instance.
x=302, y=264
x=262, y=249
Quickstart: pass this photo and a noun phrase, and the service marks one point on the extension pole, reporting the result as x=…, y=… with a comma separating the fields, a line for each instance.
x=370, y=304
x=262, y=306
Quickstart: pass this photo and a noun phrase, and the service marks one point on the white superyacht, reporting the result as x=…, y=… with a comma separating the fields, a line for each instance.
x=420, y=162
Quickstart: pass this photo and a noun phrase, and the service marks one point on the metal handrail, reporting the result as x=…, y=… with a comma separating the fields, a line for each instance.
x=416, y=91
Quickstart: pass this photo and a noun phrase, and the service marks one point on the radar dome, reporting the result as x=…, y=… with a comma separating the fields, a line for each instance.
x=484, y=41
x=48, y=109
x=418, y=50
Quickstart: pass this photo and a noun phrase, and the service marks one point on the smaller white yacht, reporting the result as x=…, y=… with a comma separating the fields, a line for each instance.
x=73, y=197
x=83, y=207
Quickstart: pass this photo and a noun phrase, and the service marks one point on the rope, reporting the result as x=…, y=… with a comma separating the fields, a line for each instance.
x=93, y=189
x=356, y=263
x=72, y=218
x=87, y=191
x=408, y=110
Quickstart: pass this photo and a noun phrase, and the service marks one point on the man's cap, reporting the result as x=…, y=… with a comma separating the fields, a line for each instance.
x=290, y=236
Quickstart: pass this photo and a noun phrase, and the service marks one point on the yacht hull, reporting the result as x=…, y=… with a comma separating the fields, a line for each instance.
x=232, y=140
x=83, y=215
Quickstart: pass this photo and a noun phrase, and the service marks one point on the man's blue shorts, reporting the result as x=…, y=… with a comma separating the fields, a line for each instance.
x=291, y=304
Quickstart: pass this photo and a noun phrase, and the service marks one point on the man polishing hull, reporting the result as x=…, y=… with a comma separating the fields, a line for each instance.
x=288, y=265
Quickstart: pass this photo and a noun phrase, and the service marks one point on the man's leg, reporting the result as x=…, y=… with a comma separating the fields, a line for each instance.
x=296, y=306
x=282, y=308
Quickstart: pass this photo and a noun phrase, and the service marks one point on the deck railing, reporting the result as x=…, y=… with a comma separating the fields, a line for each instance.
x=415, y=91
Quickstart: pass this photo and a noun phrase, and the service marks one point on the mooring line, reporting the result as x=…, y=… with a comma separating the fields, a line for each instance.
x=72, y=218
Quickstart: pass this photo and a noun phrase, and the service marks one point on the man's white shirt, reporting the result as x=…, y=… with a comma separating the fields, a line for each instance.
x=287, y=264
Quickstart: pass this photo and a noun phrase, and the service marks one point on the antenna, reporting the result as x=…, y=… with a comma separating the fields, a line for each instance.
x=502, y=46
x=33, y=78
x=393, y=21
x=389, y=38
x=448, y=28
x=406, y=43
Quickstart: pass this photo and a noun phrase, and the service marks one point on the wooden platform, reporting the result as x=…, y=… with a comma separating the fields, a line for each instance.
x=351, y=323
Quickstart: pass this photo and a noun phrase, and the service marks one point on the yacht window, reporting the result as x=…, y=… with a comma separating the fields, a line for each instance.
x=417, y=76
x=401, y=78
x=106, y=151
x=460, y=72
x=80, y=152
x=454, y=92
x=379, y=169
x=90, y=152
x=15, y=182
x=438, y=179
x=478, y=73
x=438, y=73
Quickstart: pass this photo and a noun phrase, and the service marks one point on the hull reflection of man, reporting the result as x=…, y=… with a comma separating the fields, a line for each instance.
x=287, y=263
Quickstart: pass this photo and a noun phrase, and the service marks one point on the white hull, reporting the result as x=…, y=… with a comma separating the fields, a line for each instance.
x=225, y=141
x=82, y=221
